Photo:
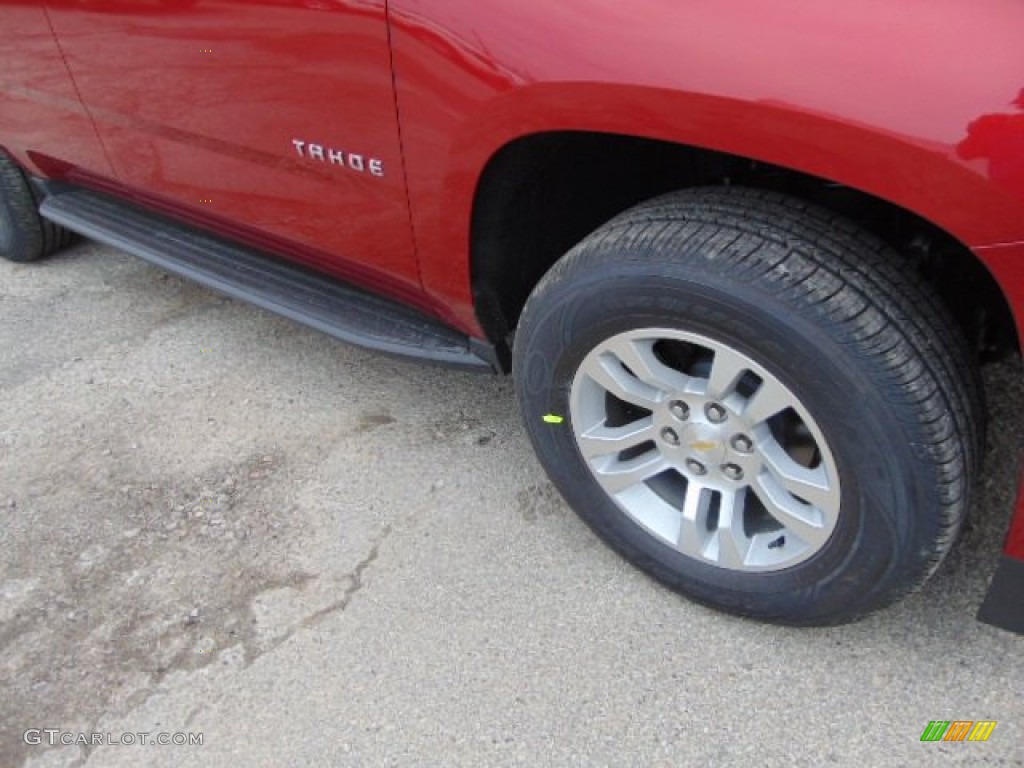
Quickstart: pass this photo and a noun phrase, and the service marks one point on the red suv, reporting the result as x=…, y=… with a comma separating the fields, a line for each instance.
x=741, y=258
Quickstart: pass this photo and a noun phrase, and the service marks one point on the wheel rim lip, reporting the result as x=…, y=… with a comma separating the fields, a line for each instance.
x=628, y=504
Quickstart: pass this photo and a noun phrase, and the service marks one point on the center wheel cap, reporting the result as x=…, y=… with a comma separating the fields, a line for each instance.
x=704, y=442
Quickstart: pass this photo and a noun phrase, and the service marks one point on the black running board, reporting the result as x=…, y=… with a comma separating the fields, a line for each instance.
x=320, y=302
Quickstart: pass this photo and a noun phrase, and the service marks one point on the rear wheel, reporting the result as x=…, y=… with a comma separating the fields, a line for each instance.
x=754, y=402
x=24, y=234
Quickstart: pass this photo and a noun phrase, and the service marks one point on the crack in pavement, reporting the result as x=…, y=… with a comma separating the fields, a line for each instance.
x=356, y=583
x=356, y=579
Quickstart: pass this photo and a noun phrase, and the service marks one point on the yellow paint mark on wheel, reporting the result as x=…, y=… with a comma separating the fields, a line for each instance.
x=552, y=419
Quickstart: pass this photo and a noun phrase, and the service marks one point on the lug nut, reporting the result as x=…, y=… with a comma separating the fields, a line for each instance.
x=716, y=414
x=742, y=444
x=670, y=436
x=679, y=409
x=696, y=467
x=732, y=471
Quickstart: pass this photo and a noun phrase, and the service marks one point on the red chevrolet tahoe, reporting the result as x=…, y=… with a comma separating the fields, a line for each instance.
x=742, y=258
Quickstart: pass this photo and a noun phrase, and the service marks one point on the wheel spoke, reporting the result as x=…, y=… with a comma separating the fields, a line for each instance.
x=608, y=373
x=726, y=369
x=693, y=531
x=639, y=357
x=617, y=476
x=729, y=545
x=769, y=399
x=652, y=512
x=811, y=485
x=602, y=440
x=804, y=521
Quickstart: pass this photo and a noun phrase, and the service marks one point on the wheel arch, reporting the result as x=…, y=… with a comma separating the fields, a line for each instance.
x=513, y=152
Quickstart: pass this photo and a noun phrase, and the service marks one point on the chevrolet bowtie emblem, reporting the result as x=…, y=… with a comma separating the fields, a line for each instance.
x=703, y=445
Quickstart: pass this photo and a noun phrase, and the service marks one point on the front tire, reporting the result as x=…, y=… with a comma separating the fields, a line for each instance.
x=753, y=401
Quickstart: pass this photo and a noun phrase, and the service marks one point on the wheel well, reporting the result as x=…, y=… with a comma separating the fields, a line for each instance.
x=542, y=194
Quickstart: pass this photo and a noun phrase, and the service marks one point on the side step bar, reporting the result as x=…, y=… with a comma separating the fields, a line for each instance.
x=320, y=302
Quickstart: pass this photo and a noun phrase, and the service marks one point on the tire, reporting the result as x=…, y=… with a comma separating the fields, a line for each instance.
x=753, y=401
x=24, y=234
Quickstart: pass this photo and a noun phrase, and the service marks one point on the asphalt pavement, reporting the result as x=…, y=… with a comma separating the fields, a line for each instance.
x=219, y=523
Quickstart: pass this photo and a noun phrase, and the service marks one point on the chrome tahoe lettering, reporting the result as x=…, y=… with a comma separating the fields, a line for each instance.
x=330, y=156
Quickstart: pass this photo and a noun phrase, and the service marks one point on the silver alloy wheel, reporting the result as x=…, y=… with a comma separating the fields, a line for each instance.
x=705, y=449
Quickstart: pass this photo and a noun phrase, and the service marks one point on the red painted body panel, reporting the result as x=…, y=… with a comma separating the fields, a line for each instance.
x=1015, y=538
x=916, y=103
x=42, y=121
x=199, y=104
x=1006, y=263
